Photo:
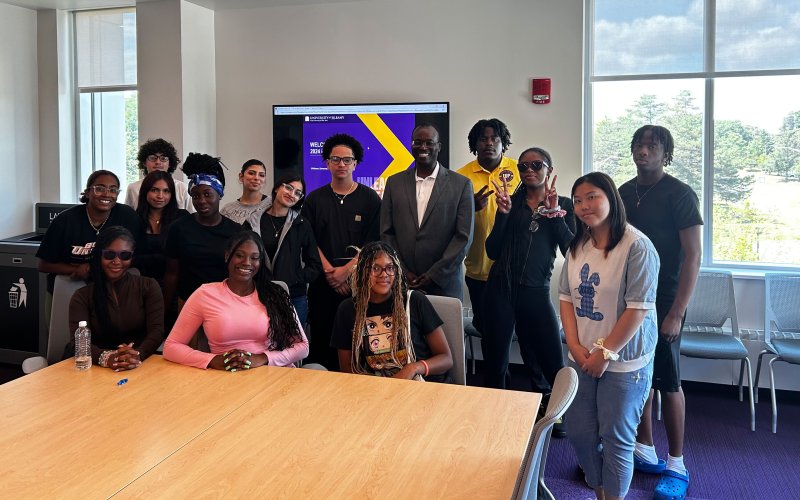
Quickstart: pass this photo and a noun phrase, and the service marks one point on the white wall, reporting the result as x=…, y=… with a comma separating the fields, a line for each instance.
x=199, y=90
x=478, y=55
x=19, y=120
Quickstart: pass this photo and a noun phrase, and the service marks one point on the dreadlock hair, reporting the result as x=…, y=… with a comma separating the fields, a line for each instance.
x=499, y=128
x=200, y=163
x=155, y=147
x=283, y=331
x=660, y=135
x=342, y=140
x=617, y=220
x=84, y=198
x=360, y=285
x=170, y=210
x=100, y=294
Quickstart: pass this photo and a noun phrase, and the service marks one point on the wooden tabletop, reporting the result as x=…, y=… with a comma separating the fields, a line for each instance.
x=176, y=432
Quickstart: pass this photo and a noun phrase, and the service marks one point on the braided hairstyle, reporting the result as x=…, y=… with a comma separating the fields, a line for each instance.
x=360, y=285
x=100, y=295
x=283, y=330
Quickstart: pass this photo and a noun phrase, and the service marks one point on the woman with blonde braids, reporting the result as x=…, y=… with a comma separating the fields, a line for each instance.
x=374, y=332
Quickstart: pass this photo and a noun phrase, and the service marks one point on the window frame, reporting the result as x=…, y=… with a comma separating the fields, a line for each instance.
x=709, y=76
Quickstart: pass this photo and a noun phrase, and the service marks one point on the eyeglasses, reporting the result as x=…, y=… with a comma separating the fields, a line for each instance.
x=427, y=144
x=101, y=189
x=155, y=158
x=344, y=160
x=297, y=192
x=535, y=165
x=125, y=255
x=377, y=270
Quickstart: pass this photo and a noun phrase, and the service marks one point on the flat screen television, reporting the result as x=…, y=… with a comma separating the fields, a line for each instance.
x=384, y=130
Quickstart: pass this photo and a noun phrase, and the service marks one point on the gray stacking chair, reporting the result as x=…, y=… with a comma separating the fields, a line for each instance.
x=704, y=334
x=781, y=327
x=450, y=311
x=530, y=480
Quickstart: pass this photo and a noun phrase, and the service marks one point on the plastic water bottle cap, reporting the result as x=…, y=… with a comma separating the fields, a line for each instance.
x=81, y=324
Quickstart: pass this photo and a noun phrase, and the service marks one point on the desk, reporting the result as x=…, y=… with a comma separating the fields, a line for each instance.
x=174, y=431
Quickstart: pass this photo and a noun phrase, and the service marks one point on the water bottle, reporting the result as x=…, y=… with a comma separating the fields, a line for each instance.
x=83, y=347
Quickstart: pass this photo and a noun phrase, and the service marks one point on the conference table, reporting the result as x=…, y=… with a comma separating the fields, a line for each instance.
x=172, y=431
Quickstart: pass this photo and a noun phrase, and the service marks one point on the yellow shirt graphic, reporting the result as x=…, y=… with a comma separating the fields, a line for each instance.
x=477, y=263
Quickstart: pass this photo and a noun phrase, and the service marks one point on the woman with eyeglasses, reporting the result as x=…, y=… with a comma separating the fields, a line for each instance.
x=248, y=320
x=68, y=243
x=383, y=330
x=530, y=225
x=125, y=312
x=159, y=155
x=158, y=209
x=292, y=254
x=252, y=201
x=196, y=244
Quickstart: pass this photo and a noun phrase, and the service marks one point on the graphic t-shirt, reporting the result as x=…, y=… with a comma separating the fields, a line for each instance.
x=379, y=332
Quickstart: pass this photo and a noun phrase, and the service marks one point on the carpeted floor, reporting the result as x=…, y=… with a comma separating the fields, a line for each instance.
x=725, y=459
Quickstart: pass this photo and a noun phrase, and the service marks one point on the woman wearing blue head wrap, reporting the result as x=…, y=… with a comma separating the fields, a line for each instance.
x=195, y=246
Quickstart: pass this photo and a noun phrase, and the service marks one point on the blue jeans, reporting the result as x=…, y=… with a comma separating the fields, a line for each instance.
x=601, y=425
x=300, y=304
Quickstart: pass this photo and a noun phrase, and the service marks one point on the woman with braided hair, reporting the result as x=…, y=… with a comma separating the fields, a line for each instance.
x=248, y=320
x=196, y=244
x=385, y=331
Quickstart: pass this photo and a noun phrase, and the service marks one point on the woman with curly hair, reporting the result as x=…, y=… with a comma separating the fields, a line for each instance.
x=248, y=320
x=385, y=331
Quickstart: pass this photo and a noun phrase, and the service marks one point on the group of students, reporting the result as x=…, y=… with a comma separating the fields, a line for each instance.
x=211, y=270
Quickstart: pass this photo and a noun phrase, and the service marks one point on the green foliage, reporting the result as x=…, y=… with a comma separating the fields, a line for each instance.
x=131, y=137
x=737, y=231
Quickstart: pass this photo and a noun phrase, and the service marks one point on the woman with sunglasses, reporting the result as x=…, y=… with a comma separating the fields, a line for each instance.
x=252, y=201
x=158, y=210
x=68, y=243
x=607, y=294
x=529, y=227
x=248, y=320
x=292, y=255
x=382, y=330
x=125, y=312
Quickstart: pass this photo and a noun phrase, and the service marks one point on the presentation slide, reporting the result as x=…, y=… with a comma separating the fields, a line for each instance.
x=384, y=130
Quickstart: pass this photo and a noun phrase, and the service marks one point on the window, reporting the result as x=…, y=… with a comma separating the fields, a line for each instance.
x=722, y=76
x=108, y=132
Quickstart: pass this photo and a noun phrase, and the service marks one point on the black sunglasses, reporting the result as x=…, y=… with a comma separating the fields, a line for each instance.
x=123, y=255
x=535, y=165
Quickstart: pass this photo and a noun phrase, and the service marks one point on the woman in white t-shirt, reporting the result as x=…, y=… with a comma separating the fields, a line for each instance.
x=607, y=294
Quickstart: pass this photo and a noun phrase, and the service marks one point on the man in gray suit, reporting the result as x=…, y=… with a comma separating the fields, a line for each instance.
x=427, y=215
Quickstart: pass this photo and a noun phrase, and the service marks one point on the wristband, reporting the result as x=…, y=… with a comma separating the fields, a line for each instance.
x=427, y=369
x=552, y=212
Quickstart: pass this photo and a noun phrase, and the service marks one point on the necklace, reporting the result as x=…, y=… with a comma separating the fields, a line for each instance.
x=640, y=198
x=343, y=196
x=96, y=228
x=272, y=221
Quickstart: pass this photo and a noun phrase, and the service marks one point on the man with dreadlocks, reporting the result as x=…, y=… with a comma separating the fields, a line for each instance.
x=195, y=246
x=488, y=141
x=384, y=331
x=667, y=211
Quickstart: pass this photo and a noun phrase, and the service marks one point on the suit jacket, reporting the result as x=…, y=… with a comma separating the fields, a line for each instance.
x=438, y=245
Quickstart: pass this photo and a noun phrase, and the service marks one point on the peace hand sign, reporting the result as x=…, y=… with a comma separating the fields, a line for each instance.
x=502, y=197
x=550, y=194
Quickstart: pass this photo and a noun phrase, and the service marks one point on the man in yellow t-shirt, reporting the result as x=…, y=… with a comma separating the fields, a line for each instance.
x=488, y=141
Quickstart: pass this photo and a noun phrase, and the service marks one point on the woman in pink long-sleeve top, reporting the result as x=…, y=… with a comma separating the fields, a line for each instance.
x=248, y=320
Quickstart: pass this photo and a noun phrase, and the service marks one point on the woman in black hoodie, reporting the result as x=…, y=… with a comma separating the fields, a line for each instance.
x=289, y=240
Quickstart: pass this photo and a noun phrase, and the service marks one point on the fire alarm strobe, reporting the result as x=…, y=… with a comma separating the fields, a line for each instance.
x=540, y=90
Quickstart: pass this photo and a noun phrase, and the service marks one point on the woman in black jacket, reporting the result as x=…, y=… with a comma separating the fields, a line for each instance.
x=530, y=225
x=289, y=240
